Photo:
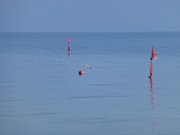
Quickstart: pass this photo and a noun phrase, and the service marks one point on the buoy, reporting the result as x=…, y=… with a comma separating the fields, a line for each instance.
x=81, y=73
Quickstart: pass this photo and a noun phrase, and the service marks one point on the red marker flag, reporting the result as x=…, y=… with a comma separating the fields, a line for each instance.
x=154, y=54
x=69, y=40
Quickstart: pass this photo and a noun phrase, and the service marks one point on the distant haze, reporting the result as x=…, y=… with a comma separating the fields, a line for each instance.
x=89, y=15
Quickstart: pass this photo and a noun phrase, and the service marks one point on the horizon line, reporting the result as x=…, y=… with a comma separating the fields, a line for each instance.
x=89, y=32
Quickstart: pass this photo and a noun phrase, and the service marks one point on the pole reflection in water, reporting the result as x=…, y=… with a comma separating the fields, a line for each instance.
x=152, y=94
x=153, y=106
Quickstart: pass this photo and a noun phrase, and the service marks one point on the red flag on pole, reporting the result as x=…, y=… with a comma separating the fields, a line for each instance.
x=154, y=54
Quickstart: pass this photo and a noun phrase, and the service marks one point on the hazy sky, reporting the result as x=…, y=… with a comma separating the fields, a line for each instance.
x=89, y=15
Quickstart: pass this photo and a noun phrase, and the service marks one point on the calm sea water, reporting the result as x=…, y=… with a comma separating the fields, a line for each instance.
x=41, y=92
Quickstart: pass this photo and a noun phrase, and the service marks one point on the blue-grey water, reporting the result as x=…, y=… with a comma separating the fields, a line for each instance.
x=41, y=92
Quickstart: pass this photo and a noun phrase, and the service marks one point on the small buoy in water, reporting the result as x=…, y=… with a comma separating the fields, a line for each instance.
x=81, y=72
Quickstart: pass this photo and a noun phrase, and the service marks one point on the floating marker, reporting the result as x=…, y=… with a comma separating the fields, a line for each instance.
x=81, y=73
x=153, y=57
x=69, y=40
x=69, y=49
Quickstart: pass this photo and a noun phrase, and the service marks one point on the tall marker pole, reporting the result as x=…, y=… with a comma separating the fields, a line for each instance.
x=151, y=69
x=69, y=49
x=153, y=57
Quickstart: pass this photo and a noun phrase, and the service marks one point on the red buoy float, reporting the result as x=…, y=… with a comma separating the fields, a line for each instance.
x=81, y=73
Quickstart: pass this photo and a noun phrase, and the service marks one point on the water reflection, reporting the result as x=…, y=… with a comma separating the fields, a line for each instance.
x=152, y=94
x=153, y=106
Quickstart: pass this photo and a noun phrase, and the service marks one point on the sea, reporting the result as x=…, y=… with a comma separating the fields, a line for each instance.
x=42, y=93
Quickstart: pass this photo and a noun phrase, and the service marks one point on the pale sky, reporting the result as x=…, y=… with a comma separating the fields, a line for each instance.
x=89, y=15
